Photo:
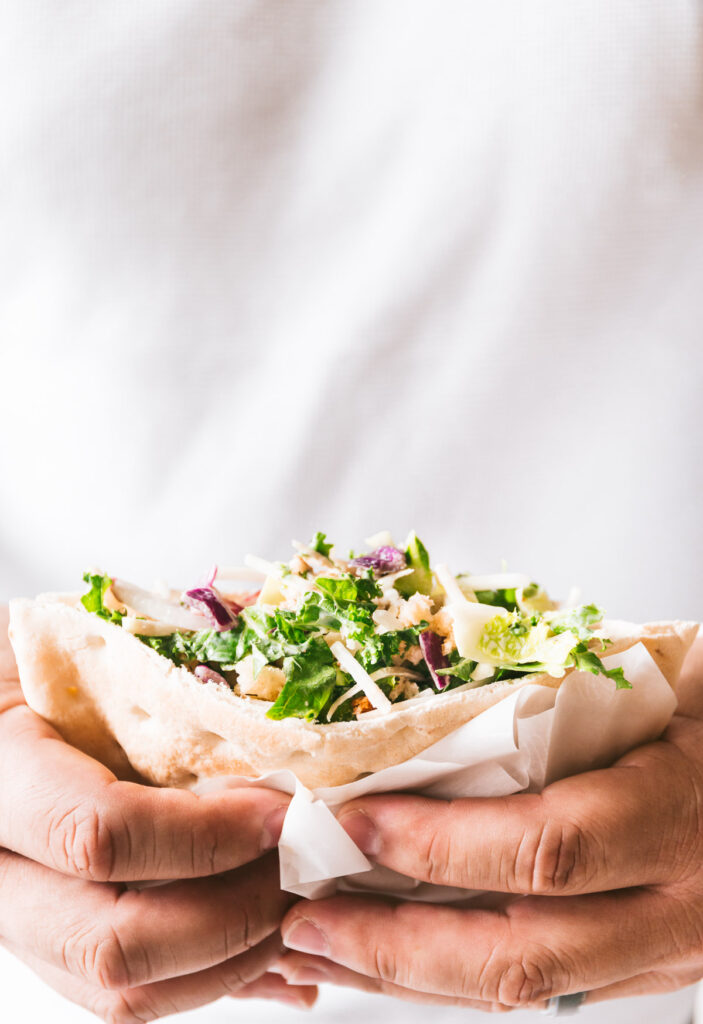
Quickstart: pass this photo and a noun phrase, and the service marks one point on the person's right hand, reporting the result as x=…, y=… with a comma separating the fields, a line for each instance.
x=73, y=835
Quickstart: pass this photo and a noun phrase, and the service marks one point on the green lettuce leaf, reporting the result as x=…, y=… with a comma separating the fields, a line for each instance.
x=461, y=669
x=348, y=589
x=310, y=682
x=93, y=601
x=177, y=647
x=319, y=543
x=588, y=661
x=581, y=621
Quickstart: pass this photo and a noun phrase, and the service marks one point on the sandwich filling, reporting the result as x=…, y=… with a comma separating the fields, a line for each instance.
x=328, y=638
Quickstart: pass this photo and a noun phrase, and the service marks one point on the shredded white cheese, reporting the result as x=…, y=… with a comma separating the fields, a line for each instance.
x=349, y=663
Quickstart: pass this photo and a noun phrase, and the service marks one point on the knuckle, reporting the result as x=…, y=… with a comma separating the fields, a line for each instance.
x=530, y=976
x=105, y=961
x=444, y=862
x=82, y=842
x=239, y=934
x=238, y=927
x=208, y=849
x=552, y=859
x=114, y=1008
x=233, y=978
x=385, y=963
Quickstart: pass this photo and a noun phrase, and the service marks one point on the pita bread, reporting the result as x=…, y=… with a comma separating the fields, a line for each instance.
x=119, y=701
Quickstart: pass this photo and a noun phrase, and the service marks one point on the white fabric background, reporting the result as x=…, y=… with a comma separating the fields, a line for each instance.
x=271, y=267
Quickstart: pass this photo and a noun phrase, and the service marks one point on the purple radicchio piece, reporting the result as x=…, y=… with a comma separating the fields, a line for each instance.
x=206, y=600
x=431, y=647
x=383, y=560
x=208, y=675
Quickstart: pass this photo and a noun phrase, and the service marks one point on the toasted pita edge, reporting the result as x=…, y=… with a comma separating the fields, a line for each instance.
x=116, y=699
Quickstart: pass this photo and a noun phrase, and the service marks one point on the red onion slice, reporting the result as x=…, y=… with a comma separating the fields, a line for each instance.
x=207, y=601
x=208, y=675
x=383, y=560
x=431, y=647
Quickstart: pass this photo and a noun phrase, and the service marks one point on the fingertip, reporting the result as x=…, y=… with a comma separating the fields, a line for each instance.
x=273, y=826
x=362, y=830
x=307, y=995
x=304, y=935
x=273, y=986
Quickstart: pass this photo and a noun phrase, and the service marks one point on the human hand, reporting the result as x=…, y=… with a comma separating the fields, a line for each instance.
x=73, y=835
x=610, y=864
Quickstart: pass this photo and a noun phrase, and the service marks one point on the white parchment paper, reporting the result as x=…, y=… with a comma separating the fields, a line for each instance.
x=524, y=742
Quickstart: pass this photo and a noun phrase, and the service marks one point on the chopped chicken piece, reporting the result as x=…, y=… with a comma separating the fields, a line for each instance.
x=441, y=622
x=360, y=705
x=413, y=655
x=387, y=621
x=404, y=688
x=415, y=610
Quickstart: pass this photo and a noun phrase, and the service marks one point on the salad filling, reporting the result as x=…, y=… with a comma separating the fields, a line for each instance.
x=328, y=638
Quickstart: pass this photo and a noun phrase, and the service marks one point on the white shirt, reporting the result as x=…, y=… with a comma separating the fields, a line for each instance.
x=274, y=268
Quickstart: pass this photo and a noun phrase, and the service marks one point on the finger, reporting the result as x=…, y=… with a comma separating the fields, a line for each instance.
x=238, y=977
x=65, y=810
x=117, y=938
x=610, y=829
x=273, y=986
x=531, y=950
x=300, y=969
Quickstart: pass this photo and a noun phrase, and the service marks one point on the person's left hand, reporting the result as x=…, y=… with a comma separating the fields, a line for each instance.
x=610, y=863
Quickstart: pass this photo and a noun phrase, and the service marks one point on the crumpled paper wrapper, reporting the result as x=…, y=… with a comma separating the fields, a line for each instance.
x=523, y=743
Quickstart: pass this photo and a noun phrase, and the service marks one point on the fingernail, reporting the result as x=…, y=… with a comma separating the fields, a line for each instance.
x=306, y=938
x=272, y=828
x=362, y=830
